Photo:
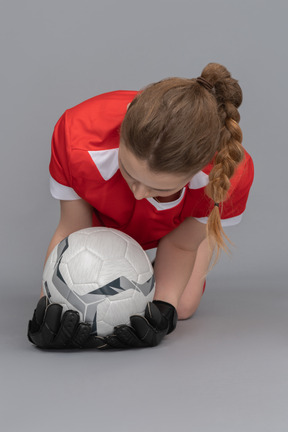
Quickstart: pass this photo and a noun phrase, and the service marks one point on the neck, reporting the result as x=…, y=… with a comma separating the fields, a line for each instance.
x=169, y=198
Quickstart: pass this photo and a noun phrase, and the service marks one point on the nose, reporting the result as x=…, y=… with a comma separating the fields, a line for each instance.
x=139, y=191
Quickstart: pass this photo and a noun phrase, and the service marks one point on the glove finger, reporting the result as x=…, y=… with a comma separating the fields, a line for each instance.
x=67, y=328
x=115, y=343
x=141, y=326
x=126, y=335
x=38, y=317
x=97, y=342
x=81, y=335
x=50, y=326
x=153, y=315
x=40, y=310
x=150, y=336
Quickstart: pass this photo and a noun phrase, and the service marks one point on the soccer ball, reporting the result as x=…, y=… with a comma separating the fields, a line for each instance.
x=102, y=273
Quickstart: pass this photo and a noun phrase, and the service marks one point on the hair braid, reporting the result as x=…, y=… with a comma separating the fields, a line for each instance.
x=230, y=151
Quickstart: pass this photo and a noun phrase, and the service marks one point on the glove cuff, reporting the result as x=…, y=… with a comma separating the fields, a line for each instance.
x=169, y=312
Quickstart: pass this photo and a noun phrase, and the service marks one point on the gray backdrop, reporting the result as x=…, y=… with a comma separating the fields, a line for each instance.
x=223, y=370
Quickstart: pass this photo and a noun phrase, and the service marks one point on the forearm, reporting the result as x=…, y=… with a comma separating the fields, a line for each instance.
x=183, y=258
x=193, y=292
x=173, y=268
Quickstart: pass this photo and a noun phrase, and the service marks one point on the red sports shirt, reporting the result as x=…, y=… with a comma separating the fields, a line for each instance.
x=84, y=164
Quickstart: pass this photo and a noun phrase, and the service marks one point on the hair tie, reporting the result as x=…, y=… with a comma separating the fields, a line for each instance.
x=216, y=204
x=204, y=83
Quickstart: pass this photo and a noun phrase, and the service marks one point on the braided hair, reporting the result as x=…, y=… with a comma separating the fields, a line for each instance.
x=230, y=152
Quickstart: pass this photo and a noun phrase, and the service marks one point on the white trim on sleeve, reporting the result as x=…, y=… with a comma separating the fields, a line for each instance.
x=224, y=222
x=199, y=180
x=62, y=192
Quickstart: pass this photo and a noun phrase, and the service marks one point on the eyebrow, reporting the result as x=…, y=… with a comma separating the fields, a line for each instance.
x=161, y=190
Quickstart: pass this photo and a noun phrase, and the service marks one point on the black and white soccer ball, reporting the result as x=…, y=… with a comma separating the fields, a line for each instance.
x=103, y=274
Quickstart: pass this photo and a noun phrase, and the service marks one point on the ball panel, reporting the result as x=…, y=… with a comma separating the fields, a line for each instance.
x=117, y=267
x=84, y=267
x=73, y=244
x=114, y=311
x=139, y=260
x=107, y=244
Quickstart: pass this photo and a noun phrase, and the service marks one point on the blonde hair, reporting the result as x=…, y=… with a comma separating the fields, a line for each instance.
x=179, y=125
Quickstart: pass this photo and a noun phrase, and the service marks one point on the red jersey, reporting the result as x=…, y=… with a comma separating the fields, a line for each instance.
x=84, y=164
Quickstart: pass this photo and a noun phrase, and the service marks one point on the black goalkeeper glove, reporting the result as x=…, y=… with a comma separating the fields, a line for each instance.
x=148, y=331
x=48, y=329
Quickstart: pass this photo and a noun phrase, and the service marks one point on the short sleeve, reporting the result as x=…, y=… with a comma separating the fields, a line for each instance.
x=61, y=192
x=60, y=179
x=234, y=206
x=59, y=162
x=241, y=182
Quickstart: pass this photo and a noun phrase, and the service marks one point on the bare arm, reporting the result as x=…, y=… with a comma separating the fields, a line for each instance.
x=175, y=260
x=75, y=215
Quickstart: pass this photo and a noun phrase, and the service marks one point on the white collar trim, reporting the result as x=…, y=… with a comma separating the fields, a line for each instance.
x=166, y=205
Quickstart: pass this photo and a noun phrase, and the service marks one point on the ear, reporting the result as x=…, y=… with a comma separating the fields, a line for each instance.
x=128, y=105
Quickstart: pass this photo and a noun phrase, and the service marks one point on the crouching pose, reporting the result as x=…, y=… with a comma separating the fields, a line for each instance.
x=164, y=165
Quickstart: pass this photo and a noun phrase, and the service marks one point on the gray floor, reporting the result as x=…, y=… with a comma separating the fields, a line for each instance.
x=223, y=370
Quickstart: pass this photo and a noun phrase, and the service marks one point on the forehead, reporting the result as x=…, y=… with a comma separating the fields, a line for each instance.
x=139, y=170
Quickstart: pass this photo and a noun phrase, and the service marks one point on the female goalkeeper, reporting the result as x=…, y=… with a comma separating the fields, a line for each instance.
x=164, y=165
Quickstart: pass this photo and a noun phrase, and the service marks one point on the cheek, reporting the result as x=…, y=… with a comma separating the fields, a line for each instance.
x=126, y=178
x=123, y=174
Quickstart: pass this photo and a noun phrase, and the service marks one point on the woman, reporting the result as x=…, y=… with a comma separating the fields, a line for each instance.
x=166, y=166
